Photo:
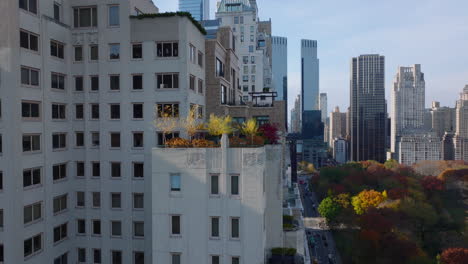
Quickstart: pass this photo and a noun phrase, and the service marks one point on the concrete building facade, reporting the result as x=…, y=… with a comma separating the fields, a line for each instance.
x=340, y=151
x=200, y=9
x=443, y=119
x=461, y=131
x=309, y=75
x=296, y=116
x=419, y=147
x=337, y=125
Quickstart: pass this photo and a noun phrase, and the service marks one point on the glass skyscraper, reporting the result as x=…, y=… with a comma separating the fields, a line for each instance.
x=200, y=9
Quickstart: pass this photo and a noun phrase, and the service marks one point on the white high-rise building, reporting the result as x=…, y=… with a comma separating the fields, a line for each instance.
x=79, y=84
x=200, y=9
x=408, y=103
x=310, y=75
x=323, y=102
x=461, y=131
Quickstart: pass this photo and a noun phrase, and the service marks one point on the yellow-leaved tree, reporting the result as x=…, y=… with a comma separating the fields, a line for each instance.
x=365, y=200
x=217, y=126
x=250, y=128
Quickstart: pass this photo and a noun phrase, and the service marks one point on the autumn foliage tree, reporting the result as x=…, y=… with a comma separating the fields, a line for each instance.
x=454, y=256
x=365, y=200
x=270, y=133
x=430, y=183
x=329, y=208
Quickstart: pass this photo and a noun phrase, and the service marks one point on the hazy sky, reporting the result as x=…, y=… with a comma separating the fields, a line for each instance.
x=433, y=33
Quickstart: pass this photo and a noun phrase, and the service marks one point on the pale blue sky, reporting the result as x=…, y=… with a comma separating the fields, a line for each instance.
x=433, y=33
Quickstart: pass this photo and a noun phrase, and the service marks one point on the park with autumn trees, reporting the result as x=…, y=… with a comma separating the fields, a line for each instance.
x=390, y=213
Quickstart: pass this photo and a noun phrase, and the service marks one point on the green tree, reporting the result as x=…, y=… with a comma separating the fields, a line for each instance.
x=329, y=209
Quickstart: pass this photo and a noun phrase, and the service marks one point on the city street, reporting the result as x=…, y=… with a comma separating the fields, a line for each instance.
x=320, y=241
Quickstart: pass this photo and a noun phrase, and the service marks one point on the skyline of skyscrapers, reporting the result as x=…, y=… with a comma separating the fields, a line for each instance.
x=200, y=9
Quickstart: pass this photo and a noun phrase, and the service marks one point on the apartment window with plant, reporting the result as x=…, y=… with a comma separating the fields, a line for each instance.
x=175, y=225
x=85, y=17
x=59, y=171
x=114, y=82
x=167, y=49
x=32, y=177
x=81, y=226
x=96, y=169
x=28, y=5
x=79, y=83
x=29, y=76
x=193, y=54
x=57, y=49
x=59, y=141
x=116, y=200
x=94, y=83
x=116, y=228
x=219, y=68
x=192, y=82
x=175, y=181
x=60, y=203
x=78, y=51
x=96, y=225
x=138, y=169
x=235, y=233
x=30, y=110
x=29, y=40
x=168, y=110
x=165, y=137
x=116, y=170
x=80, y=200
x=167, y=80
x=58, y=81
x=138, y=229
x=215, y=223
x=114, y=51
x=59, y=111
x=31, y=143
x=32, y=246
x=60, y=232
x=81, y=252
x=138, y=201
x=93, y=52
x=32, y=213
x=79, y=139
x=115, y=111
x=114, y=16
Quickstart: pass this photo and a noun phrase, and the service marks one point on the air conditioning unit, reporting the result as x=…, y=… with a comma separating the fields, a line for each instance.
x=161, y=86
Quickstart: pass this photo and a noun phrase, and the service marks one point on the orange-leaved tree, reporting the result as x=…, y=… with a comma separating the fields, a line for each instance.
x=365, y=200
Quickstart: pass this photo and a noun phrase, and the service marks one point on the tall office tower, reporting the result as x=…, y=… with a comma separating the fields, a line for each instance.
x=200, y=9
x=337, y=125
x=80, y=82
x=253, y=47
x=309, y=75
x=296, y=116
x=408, y=103
x=368, y=108
x=443, y=119
x=323, y=104
x=461, y=132
x=280, y=69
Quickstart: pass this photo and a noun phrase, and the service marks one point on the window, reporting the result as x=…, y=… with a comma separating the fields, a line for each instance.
x=32, y=213
x=57, y=11
x=94, y=111
x=219, y=68
x=116, y=228
x=2, y=258
x=245, y=88
x=236, y=20
x=116, y=169
x=139, y=229
x=168, y=110
x=175, y=224
x=96, y=227
x=114, y=111
x=82, y=255
x=200, y=59
x=116, y=257
x=28, y=5
x=59, y=141
x=162, y=138
x=56, y=49
x=235, y=260
x=138, y=139
x=1, y=180
x=214, y=259
x=137, y=82
x=114, y=51
x=234, y=184
x=31, y=143
x=214, y=184
x=200, y=86
x=79, y=139
x=60, y=232
x=32, y=177
x=138, y=111
x=58, y=81
x=138, y=201
x=167, y=80
x=252, y=77
x=78, y=50
x=214, y=227
x=58, y=111
x=175, y=182
x=138, y=257
x=234, y=227
x=223, y=94
x=96, y=199
x=114, y=18
x=95, y=141
x=115, y=140
x=116, y=200
x=96, y=256
x=94, y=83
x=246, y=71
x=176, y=258
x=85, y=17
x=32, y=245
x=29, y=76
x=167, y=49
x=114, y=82
x=1, y=219
x=30, y=110
x=138, y=170
x=79, y=83
x=192, y=82
x=137, y=51
x=29, y=40
x=96, y=168
x=252, y=40
x=80, y=199
x=252, y=59
x=193, y=54
x=81, y=226
x=60, y=203
x=80, y=169
x=94, y=52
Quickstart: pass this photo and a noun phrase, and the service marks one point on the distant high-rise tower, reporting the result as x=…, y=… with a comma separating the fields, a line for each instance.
x=408, y=102
x=461, y=132
x=323, y=104
x=280, y=68
x=337, y=125
x=200, y=9
x=310, y=75
x=368, y=108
